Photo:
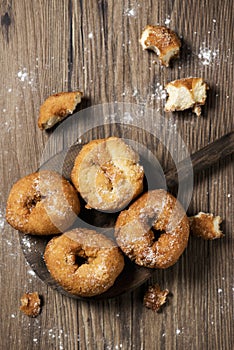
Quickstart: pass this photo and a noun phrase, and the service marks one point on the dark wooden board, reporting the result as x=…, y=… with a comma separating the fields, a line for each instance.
x=61, y=45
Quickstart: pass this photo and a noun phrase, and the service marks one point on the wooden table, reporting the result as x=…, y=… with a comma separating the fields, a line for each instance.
x=51, y=46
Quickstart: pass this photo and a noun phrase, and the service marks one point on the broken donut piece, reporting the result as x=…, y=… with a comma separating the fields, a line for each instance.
x=206, y=226
x=57, y=107
x=163, y=41
x=186, y=93
x=30, y=304
x=155, y=298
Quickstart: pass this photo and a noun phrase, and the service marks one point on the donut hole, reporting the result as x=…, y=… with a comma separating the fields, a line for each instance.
x=31, y=202
x=75, y=259
x=103, y=181
x=157, y=234
x=80, y=260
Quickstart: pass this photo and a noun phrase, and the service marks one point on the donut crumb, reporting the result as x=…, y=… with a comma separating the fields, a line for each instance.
x=206, y=226
x=163, y=41
x=30, y=304
x=155, y=298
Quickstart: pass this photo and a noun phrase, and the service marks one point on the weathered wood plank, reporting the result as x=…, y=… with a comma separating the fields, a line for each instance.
x=51, y=46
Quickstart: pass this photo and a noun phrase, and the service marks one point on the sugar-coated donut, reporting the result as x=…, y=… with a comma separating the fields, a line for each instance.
x=156, y=210
x=102, y=262
x=42, y=203
x=107, y=174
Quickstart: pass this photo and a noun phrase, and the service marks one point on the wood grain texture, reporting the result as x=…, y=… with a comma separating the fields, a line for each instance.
x=57, y=45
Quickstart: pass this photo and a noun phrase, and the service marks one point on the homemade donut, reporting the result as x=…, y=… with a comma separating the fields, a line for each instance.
x=83, y=262
x=155, y=210
x=107, y=174
x=42, y=203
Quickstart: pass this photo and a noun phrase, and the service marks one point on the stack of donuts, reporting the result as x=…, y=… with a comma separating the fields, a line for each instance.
x=108, y=176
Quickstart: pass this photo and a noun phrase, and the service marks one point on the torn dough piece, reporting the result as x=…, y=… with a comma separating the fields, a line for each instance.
x=155, y=298
x=30, y=304
x=206, y=226
x=186, y=93
x=57, y=107
x=163, y=41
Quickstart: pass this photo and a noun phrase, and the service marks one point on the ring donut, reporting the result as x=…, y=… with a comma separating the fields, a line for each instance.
x=42, y=203
x=102, y=262
x=156, y=210
x=107, y=174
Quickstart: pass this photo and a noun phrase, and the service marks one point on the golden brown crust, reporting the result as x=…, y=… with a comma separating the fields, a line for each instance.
x=163, y=41
x=107, y=174
x=155, y=298
x=57, y=107
x=186, y=93
x=206, y=226
x=30, y=304
x=42, y=203
x=103, y=262
x=156, y=210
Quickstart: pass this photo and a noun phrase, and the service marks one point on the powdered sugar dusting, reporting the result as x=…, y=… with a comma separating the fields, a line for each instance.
x=60, y=335
x=159, y=93
x=22, y=75
x=2, y=220
x=25, y=77
x=32, y=273
x=154, y=95
x=127, y=118
x=26, y=242
x=208, y=55
x=167, y=20
x=132, y=10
